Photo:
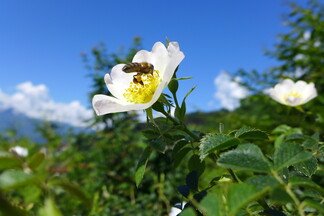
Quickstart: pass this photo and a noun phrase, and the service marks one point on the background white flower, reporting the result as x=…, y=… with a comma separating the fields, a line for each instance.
x=20, y=151
x=293, y=94
x=130, y=96
x=174, y=211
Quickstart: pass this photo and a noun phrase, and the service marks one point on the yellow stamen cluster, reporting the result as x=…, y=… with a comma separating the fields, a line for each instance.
x=293, y=97
x=138, y=93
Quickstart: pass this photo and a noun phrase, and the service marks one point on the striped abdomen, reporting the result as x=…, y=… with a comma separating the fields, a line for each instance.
x=142, y=67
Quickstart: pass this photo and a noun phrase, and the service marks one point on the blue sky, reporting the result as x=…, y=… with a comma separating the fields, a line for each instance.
x=41, y=41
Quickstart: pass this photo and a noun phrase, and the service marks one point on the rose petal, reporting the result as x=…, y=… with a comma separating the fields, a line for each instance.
x=104, y=104
x=143, y=56
x=175, y=57
x=117, y=81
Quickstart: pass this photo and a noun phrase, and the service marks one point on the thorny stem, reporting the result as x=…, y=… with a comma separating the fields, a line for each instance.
x=287, y=188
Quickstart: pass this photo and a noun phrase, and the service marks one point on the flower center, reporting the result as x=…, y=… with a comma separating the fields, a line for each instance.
x=293, y=98
x=143, y=93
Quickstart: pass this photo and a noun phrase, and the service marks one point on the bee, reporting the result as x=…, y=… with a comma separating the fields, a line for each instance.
x=140, y=68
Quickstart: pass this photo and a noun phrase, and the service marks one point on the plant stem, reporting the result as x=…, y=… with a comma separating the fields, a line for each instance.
x=175, y=99
x=287, y=188
x=234, y=177
x=184, y=127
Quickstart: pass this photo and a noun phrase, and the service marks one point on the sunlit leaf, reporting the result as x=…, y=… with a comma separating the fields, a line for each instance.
x=8, y=162
x=249, y=133
x=50, y=209
x=36, y=160
x=11, y=179
x=215, y=142
x=141, y=165
x=248, y=157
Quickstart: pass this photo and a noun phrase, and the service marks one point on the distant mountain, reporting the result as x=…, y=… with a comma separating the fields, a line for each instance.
x=26, y=126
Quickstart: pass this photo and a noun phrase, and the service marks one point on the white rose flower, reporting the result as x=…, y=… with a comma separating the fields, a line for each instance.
x=130, y=95
x=20, y=151
x=293, y=94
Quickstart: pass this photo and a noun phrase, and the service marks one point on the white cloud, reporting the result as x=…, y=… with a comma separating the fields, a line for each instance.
x=299, y=72
x=228, y=91
x=34, y=101
x=307, y=35
x=317, y=43
x=299, y=57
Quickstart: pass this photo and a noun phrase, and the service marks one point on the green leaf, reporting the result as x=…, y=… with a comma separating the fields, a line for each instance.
x=296, y=181
x=307, y=167
x=173, y=86
x=240, y=195
x=249, y=133
x=313, y=204
x=11, y=179
x=192, y=181
x=188, y=93
x=279, y=140
x=195, y=164
x=180, y=112
x=5, y=154
x=281, y=129
x=9, y=209
x=8, y=162
x=247, y=157
x=188, y=212
x=179, y=144
x=74, y=190
x=49, y=209
x=31, y=193
x=178, y=157
x=285, y=129
x=215, y=142
x=311, y=142
x=159, y=144
x=212, y=205
x=279, y=196
x=36, y=160
x=183, y=78
x=263, y=182
x=289, y=154
x=150, y=134
x=141, y=165
x=158, y=106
